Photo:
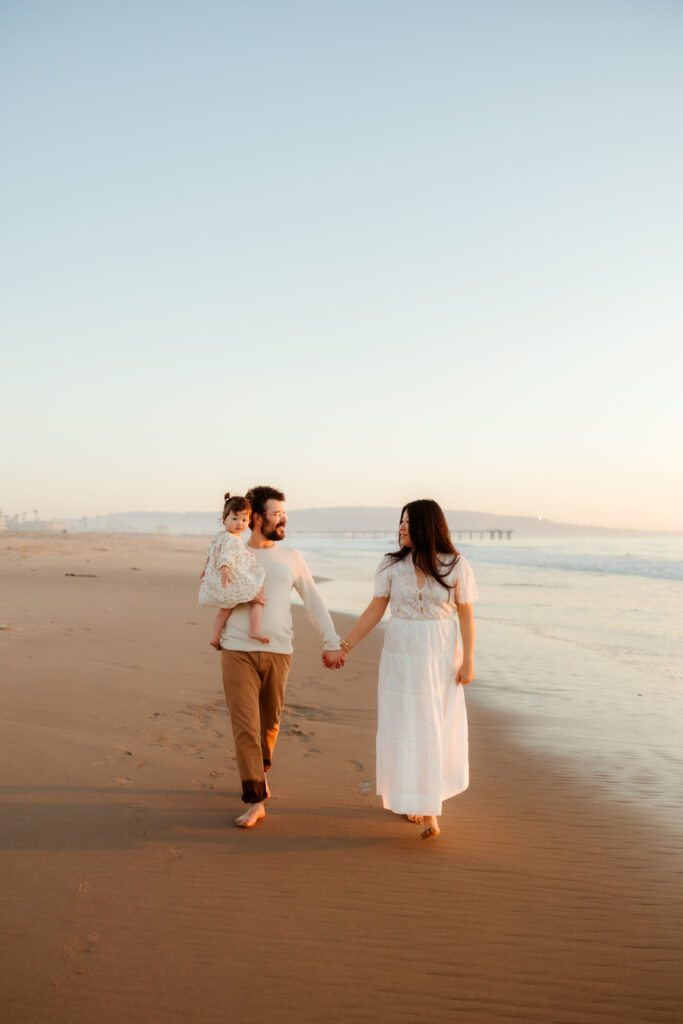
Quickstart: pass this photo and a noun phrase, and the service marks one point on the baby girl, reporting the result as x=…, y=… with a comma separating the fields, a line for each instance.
x=231, y=574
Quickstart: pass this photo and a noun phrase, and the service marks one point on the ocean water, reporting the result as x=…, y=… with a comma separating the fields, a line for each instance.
x=578, y=640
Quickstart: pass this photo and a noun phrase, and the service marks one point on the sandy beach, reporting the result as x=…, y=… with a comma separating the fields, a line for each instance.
x=129, y=895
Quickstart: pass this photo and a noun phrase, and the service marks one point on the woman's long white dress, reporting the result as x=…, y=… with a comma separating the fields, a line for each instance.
x=422, y=753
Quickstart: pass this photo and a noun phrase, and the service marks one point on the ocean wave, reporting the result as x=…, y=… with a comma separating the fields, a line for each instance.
x=616, y=565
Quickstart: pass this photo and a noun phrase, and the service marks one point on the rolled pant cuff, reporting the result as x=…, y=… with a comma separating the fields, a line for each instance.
x=253, y=791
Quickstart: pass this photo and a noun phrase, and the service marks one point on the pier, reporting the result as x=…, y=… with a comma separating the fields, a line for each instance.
x=493, y=534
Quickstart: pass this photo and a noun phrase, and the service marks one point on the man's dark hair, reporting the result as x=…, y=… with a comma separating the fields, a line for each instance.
x=258, y=496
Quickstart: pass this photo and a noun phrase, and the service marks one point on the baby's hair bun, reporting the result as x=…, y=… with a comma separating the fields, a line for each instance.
x=226, y=495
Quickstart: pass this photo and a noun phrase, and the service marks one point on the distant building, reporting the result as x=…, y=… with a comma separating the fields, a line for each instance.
x=15, y=525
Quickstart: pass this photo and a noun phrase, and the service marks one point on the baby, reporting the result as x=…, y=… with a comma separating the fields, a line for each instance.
x=231, y=574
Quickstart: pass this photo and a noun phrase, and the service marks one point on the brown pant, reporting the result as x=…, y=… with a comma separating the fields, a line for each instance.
x=254, y=684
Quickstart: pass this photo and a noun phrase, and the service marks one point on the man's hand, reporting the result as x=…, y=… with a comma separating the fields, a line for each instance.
x=334, y=659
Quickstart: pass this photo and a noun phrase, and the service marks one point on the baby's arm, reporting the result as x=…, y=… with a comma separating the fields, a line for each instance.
x=228, y=558
x=228, y=551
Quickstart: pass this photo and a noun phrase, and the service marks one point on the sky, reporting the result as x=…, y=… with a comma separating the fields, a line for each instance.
x=364, y=251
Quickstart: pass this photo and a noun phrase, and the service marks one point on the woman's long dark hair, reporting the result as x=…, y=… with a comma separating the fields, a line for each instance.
x=430, y=537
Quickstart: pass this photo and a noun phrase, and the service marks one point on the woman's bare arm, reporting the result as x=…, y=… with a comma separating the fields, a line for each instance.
x=367, y=621
x=467, y=631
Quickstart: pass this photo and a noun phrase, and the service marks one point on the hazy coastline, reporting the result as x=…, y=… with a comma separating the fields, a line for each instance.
x=342, y=519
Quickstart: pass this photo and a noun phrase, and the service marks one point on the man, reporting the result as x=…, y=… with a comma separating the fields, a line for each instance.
x=255, y=674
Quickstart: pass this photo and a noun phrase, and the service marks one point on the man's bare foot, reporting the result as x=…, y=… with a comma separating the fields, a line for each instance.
x=259, y=636
x=253, y=814
x=267, y=787
x=216, y=644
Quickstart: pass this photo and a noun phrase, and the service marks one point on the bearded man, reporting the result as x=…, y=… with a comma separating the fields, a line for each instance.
x=255, y=676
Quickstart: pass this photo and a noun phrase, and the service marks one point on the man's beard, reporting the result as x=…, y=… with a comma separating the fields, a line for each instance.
x=275, y=532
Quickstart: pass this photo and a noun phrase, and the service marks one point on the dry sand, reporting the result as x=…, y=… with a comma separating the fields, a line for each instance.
x=128, y=895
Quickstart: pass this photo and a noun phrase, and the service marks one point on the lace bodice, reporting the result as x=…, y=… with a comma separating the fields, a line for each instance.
x=408, y=600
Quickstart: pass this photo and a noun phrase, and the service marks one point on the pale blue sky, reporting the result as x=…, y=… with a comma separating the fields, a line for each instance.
x=365, y=251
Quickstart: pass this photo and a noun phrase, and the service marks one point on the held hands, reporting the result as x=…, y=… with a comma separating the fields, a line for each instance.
x=334, y=659
x=465, y=673
x=225, y=576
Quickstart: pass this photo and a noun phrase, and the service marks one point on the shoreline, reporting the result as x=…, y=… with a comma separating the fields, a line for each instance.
x=130, y=894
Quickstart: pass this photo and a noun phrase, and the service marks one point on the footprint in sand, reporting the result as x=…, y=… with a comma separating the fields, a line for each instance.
x=292, y=728
x=83, y=888
x=120, y=754
x=194, y=737
x=73, y=949
x=172, y=854
x=213, y=773
x=123, y=754
x=307, y=712
x=357, y=765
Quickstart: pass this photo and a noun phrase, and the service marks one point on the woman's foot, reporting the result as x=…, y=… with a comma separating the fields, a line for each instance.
x=415, y=818
x=259, y=636
x=432, y=830
x=252, y=814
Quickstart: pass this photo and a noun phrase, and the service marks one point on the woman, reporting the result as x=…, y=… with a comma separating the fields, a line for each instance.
x=422, y=755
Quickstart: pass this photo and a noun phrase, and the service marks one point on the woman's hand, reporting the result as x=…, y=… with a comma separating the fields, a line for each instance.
x=466, y=619
x=225, y=576
x=465, y=673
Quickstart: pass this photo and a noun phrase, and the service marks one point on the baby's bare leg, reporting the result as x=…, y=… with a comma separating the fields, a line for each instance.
x=222, y=617
x=255, y=615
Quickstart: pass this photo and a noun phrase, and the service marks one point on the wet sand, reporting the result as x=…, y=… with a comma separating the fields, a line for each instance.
x=129, y=895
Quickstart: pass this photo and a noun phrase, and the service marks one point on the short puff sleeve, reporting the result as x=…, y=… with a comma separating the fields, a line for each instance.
x=463, y=582
x=228, y=549
x=383, y=578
